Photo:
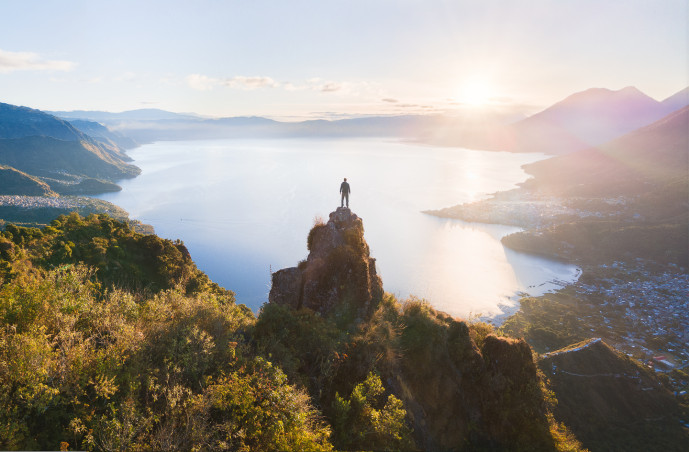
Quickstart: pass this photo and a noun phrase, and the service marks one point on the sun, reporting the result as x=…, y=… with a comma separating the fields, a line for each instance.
x=476, y=93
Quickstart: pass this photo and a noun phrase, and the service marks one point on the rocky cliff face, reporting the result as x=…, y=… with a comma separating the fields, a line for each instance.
x=464, y=395
x=461, y=389
x=338, y=273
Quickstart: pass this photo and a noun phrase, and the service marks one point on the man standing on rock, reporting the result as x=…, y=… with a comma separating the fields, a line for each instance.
x=344, y=190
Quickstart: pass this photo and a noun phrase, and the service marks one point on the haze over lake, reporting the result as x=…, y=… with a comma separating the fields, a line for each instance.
x=245, y=207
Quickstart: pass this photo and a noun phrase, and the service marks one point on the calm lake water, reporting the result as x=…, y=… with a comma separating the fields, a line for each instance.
x=244, y=208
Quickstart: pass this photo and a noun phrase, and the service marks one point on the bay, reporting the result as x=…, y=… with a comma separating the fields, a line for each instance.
x=244, y=208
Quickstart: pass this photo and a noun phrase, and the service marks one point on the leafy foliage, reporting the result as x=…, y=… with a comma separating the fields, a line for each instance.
x=327, y=356
x=120, y=256
x=367, y=419
x=115, y=371
x=112, y=340
x=92, y=357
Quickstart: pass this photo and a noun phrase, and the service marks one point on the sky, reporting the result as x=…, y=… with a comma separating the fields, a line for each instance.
x=326, y=59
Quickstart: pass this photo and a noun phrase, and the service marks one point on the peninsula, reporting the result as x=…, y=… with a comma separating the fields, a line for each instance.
x=618, y=210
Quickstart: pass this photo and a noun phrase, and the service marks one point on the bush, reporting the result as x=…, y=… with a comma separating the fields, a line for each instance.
x=114, y=370
x=369, y=420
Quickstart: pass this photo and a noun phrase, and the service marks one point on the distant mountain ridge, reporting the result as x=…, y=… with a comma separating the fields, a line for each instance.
x=109, y=137
x=677, y=100
x=583, y=119
x=20, y=122
x=598, y=115
x=144, y=114
x=655, y=154
x=144, y=127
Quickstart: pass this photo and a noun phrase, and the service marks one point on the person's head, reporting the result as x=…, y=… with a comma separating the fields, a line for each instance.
x=345, y=179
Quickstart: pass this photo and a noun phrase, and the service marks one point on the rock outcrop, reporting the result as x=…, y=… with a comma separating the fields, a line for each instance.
x=464, y=396
x=457, y=393
x=461, y=386
x=611, y=402
x=338, y=274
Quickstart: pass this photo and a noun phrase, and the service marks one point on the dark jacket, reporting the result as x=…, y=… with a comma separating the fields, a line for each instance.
x=344, y=188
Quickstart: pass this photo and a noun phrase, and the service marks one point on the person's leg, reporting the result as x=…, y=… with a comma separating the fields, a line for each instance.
x=342, y=200
x=347, y=198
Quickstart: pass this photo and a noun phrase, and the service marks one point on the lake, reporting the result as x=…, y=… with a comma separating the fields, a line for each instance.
x=244, y=208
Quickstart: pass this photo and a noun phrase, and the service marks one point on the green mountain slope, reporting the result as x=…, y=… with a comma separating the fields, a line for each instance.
x=43, y=145
x=114, y=139
x=19, y=122
x=51, y=157
x=14, y=182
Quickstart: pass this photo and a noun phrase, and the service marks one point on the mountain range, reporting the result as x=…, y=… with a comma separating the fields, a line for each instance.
x=651, y=156
x=581, y=120
x=59, y=154
x=82, y=152
x=595, y=116
x=584, y=119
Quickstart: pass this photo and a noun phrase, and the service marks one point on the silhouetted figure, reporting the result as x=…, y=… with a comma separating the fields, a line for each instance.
x=345, y=190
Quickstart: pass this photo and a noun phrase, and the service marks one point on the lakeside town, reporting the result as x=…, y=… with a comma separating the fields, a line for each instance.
x=641, y=309
x=36, y=202
x=639, y=306
x=36, y=210
x=533, y=211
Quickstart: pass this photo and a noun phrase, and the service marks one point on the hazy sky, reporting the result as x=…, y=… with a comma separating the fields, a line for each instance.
x=323, y=58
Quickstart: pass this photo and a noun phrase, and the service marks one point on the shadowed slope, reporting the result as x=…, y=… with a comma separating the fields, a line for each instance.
x=611, y=402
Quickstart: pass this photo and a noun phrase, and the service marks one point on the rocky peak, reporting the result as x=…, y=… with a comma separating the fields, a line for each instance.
x=324, y=238
x=338, y=274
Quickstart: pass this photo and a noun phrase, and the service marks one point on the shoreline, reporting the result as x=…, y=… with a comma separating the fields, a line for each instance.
x=636, y=305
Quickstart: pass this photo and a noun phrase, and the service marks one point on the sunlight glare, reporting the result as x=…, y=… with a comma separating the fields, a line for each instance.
x=476, y=93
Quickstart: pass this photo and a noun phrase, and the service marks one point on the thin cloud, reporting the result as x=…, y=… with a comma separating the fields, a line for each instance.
x=250, y=83
x=331, y=87
x=292, y=87
x=356, y=88
x=201, y=82
x=204, y=83
x=390, y=100
x=28, y=61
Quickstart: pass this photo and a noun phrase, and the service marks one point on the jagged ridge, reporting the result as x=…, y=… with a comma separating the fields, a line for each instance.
x=461, y=386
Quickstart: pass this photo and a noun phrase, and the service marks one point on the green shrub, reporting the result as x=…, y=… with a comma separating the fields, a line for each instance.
x=368, y=420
